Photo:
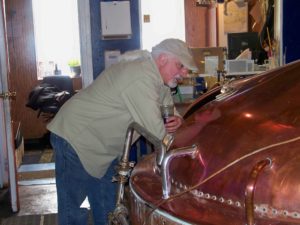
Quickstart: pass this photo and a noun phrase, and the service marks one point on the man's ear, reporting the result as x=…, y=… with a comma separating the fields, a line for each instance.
x=162, y=59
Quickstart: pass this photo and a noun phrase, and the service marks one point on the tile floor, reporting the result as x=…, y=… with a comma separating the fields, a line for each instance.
x=36, y=179
x=39, y=199
x=37, y=190
x=38, y=205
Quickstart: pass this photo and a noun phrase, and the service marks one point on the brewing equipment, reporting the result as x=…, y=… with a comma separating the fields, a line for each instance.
x=235, y=160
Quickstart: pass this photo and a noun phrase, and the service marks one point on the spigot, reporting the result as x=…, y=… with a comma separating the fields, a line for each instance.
x=192, y=151
x=165, y=145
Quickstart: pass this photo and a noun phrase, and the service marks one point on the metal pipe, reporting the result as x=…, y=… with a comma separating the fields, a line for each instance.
x=250, y=188
x=125, y=166
x=143, y=132
x=119, y=216
x=166, y=181
x=122, y=220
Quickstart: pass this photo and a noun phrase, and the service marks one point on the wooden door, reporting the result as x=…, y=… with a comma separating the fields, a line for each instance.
x=23, y=69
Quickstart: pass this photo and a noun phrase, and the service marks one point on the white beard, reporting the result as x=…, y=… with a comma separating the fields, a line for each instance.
x=173, y=83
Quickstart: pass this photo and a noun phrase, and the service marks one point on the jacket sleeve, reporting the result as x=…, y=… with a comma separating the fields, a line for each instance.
x=142, y=99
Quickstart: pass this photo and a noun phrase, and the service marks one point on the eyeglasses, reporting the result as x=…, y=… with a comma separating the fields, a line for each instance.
x=179, y=65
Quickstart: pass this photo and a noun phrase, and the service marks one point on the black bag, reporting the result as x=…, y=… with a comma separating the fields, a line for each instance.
x=47, y=98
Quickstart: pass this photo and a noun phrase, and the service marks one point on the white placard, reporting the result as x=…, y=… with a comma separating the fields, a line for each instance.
x=211, y=64
x=111, y=57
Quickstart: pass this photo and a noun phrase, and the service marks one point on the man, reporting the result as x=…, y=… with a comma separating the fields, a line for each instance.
x=88, y=133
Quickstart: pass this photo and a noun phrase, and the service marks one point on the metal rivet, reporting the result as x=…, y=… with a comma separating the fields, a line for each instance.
x=274, y=211
x=238, y=204
x=229, y=202
x=264, y=209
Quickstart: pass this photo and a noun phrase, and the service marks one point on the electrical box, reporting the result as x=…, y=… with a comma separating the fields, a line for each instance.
x=111, y=57
x=115, y=20
x=239, y=66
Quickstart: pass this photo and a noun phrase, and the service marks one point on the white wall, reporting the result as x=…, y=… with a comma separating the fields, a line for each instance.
x=167, y=20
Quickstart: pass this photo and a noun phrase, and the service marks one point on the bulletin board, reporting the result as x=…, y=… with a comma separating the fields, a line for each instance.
x=232, y=18
x=235, y=17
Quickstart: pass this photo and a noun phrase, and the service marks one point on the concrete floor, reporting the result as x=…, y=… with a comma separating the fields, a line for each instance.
x=37, y=191
x=37, y=199
x=40, y=199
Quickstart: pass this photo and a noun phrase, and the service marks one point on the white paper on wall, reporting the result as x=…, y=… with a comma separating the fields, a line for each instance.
x=115, y=19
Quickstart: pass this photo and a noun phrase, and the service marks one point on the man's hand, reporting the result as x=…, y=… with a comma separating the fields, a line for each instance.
x=173, y=123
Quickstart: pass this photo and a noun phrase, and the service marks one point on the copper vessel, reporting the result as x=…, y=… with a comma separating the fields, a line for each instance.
x=235, y=160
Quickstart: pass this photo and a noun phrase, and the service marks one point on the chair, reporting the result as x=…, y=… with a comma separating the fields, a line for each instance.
x=55, y=91
x=62, y=82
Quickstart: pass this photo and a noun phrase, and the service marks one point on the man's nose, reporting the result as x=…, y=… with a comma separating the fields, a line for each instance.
x=184, y=72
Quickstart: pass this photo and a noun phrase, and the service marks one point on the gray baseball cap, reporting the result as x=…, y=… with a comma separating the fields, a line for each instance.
x=179, y=49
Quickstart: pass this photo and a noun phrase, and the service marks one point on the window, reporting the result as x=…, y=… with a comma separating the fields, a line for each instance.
x=56, y=35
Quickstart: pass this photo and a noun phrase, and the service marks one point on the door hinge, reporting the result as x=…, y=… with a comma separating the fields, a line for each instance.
x=6, y=95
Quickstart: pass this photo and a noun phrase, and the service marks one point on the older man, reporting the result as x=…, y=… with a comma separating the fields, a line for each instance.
x=88, y=133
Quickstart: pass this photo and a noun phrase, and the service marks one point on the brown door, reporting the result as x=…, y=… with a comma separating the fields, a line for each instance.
x=22, y=65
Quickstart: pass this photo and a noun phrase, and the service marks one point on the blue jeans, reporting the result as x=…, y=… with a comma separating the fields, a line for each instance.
x=74, y=184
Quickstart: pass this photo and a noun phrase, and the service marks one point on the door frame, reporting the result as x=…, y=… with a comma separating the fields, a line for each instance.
x=278, y=30
x=6, y=137
x=84, y=19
